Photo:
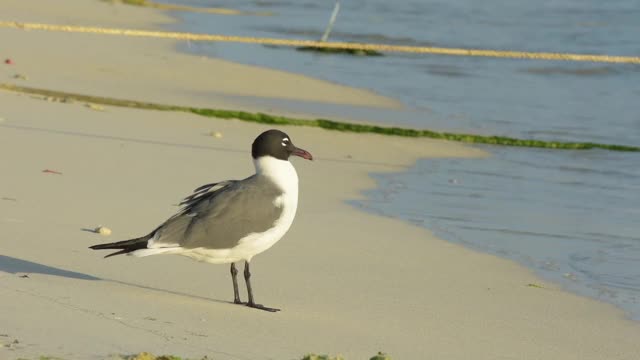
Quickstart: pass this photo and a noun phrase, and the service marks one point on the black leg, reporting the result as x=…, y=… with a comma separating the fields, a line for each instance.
x=247, y=277
x=251, y=303
x=236, y=293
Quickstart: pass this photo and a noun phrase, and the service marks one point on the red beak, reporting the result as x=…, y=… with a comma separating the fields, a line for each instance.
x=302, y=153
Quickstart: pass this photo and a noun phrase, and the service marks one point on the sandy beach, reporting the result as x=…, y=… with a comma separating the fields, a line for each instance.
x=348, y=282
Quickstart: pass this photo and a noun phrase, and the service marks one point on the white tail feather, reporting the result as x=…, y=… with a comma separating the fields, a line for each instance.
x=157, y=251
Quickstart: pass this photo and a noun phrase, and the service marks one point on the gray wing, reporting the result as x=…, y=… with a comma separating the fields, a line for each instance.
x=218, y=215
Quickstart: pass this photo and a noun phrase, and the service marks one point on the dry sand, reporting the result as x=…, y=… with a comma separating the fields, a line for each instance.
x=348, y=282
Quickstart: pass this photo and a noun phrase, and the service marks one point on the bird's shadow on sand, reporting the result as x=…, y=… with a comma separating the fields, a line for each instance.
x=17, y=266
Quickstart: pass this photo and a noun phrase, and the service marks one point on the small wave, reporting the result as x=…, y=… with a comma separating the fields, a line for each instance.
x=561, y=70
x=612, y=236
x=603, y=270
x=446, y=70
x=518, y=232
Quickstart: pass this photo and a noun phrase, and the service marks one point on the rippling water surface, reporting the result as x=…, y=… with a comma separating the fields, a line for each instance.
x=553, y=211
x=572, y=216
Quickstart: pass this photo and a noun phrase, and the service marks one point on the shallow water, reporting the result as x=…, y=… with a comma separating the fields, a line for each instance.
x=537, y=99
x=553, y=211
x=572, y=216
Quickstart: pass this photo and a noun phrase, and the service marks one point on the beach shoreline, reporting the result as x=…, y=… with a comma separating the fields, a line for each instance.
x=349, y=282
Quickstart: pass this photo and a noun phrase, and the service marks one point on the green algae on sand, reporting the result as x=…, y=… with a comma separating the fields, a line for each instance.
x=263, y=118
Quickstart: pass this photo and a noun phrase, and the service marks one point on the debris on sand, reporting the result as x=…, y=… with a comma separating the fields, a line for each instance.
x=102, y=230
x=95, y=107
x=216, y=134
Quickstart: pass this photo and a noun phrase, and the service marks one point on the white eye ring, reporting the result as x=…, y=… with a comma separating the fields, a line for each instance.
x=284, y=141
x=284, y=144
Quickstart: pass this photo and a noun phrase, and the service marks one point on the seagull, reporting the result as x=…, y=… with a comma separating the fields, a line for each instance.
x=233, y=220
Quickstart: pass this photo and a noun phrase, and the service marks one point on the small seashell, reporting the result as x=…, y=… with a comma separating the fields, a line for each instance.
x=95, y=107
x=216, y=134
x=103, y=230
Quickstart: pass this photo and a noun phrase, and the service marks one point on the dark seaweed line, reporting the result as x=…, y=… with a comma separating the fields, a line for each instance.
x=322, y=123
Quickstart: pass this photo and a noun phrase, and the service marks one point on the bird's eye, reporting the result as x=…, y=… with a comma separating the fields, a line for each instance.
x=284, y=144
x=285, y=141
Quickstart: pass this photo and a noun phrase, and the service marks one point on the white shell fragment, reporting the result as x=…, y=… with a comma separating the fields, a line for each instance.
x=103, y=230
x=216, y=134
x=95, y=107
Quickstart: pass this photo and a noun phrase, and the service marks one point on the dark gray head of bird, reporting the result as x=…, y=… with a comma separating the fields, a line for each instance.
x=277, y=144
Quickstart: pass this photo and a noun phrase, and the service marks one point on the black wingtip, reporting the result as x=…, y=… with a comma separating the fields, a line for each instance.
x=123, y=247
x=102, y=247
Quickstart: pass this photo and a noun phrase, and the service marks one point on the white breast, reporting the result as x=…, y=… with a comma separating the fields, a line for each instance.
x=284, y=175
